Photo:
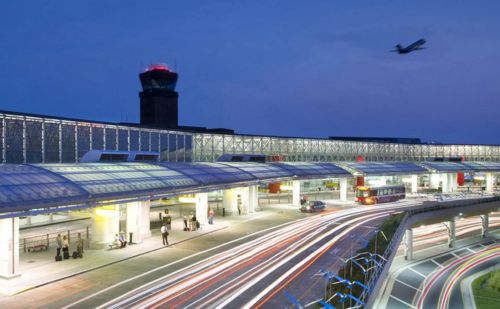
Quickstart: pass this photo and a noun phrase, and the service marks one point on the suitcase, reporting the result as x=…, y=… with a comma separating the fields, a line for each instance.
x=197, y=224
x=58, y=258
x=66, y=255
x=75, y=255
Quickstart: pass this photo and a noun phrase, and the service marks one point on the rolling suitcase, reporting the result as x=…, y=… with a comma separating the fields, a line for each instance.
x=58, y=258
x=75, y=254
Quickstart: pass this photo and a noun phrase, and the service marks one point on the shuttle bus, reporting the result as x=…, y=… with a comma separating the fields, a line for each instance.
x=382, y=194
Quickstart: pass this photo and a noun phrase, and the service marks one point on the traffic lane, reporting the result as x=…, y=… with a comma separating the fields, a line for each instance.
x=436, y=284
x=309, y=286
x=166, y=299
x=98, y=281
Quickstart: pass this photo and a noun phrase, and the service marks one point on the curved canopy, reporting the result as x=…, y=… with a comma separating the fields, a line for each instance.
x=384, y=168
x=27, y=187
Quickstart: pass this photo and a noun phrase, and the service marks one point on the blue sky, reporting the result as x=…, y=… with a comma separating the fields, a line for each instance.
x=299, y=68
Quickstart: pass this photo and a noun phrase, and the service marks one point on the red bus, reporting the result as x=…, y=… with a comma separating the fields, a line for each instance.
x=383, y=194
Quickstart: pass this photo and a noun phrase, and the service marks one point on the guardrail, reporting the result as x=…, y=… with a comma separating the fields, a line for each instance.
x=45, y=241
x=373, y=283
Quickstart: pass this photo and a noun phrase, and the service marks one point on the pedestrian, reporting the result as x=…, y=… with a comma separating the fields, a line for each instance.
x=59, y=241
x=211, y=215
x=167, y=219
x=65, y=247
x=193, y=222
x=239, y=204
x=190, y=222
x=79, y=245
x=164, y=234
x=185, y=223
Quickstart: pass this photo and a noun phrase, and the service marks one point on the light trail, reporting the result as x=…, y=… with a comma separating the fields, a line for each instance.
x=469, y=261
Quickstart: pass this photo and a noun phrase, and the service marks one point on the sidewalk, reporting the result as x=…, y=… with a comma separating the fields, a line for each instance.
x=39, y=268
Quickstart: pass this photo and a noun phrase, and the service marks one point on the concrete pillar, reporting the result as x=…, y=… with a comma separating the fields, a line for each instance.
x=253, y=198
x=452, y=182
x=202, y=208
x=434, y=181
x=489, y=182
x=28, y=220
x=445, y=188
x=138, y=220
x=408, y=247
x=485, y=221
x=343, y=189
x=229, y=201
x=51, y=217
x=105, y=223
x=296, y=193
x=9, y=248
x=414, y=184
x=451, y=233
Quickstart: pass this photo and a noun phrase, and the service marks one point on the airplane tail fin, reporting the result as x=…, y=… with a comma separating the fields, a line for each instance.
x=399, y=47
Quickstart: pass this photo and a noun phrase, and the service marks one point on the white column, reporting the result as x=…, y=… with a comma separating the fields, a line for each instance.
x=51, y=217
x=296, y=192
x=146, y=219
x=343, y=189
x=105, y=223
x=202, y=208
x=9, y=248
x=28, y=220
x=138, y=220
x=245, y=199
x=451, y=233
x=484, y=225
x=253, y=198
x=434, y=181
x=445, y=183
x=489, y=182
x=414, y=184
x=229, y=202
x=408, y=247
x=452, y=182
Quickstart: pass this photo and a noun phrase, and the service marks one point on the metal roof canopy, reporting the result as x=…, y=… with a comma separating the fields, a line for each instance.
x=384, y=168
x=451, y=167
x=29, y=187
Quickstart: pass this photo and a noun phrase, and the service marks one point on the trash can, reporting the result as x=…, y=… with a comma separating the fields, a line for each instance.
x=130, y=234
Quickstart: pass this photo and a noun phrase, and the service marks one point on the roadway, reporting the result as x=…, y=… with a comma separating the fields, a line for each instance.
x=255, y=272
x=242, y=268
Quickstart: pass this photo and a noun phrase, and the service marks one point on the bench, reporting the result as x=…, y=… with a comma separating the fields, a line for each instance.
x=39, y=247
x=114, y=245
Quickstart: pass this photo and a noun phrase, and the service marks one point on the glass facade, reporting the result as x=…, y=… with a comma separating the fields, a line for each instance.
x=28, y=139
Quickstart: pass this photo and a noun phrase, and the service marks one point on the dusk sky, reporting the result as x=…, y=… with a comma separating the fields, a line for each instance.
x=293, y=68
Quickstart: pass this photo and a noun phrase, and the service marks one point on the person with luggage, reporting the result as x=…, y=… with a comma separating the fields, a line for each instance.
x=79, y=245
x=164, y=234
x=193, y=222
x=65, y=247
x=59, y=242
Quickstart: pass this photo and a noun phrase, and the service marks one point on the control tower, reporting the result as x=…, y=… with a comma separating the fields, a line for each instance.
x=159, y=100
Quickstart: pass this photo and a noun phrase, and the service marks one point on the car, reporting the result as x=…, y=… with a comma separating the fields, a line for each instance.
x=313, y=206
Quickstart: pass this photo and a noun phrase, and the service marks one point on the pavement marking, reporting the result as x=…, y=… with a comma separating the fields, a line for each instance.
x=402, y=301
x=471, y=250
x=404, y=283
x=439, y=265
x=417, y=272
x=456, y=255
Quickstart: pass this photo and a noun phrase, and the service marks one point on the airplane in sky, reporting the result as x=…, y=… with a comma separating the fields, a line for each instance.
x=412, y=47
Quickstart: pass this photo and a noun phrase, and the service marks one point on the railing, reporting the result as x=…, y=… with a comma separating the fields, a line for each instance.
x=48, y=240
